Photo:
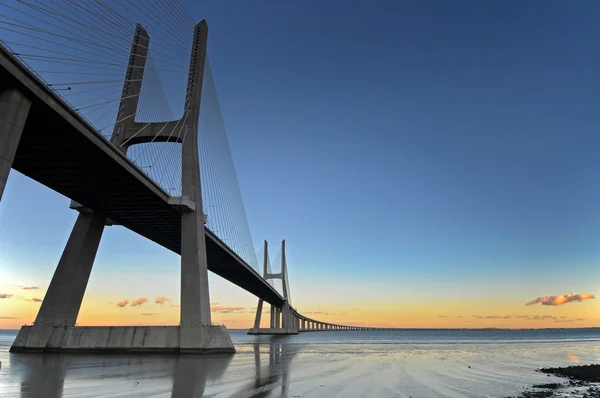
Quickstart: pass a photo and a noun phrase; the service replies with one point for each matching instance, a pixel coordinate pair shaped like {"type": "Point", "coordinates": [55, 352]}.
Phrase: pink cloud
{"type": "Point", "coordinates": [36, 300]}
{"type": "Point", "coordinates": [161, 300]}
{"type": "Point", "coordinates": [561, 299]}
{"type": "Point", "coordinates": [123, 303]}
{"type": "Point", "coordinates": [139, 302]}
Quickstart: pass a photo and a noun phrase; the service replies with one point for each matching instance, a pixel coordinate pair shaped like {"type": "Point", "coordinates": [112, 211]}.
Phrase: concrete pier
{"type": "Point", "coordinates": [158, 339]}
{"type": "Point", "coordinates": [283, 320]}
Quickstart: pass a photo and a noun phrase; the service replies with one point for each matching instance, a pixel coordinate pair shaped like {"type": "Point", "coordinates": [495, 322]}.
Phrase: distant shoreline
{"type": "Point", "coordinates": [423, 329]}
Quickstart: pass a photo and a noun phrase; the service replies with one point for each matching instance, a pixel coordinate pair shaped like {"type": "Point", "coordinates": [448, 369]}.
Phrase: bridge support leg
{"type": "Point", "coordinates": [14, 108]}
{"type": "Point", "coordinates": [277, 318]}
{"type": "Point", "coordinates": [62, 301]}
{"type": "Point", "coordinates": [258, 314]}
{"type": "Point", "coordinates": [272, 319]}
{"type": "Point", "coordinates": [196, 334]}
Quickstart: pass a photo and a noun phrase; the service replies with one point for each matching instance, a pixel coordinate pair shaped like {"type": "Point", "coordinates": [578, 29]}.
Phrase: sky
{"type": "Point", "coordinates": [430, 164]}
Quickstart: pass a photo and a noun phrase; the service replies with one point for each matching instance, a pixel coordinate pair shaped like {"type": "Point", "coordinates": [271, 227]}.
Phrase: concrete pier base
{"type": "Point", "coordinates": [120, 339]}
{"type": "Point", "coordinates": [279, 331]}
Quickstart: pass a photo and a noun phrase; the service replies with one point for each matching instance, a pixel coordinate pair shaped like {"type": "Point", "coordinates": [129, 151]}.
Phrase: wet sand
{"type": "Point", "coordinates": [289, 370]}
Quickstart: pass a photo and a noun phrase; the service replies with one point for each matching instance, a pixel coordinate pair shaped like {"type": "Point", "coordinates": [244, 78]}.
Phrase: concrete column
{"type": "Point", "coordinates": [272, 324]}
{"type": "Point", "coordinates": [132, 87]}
{"type": "Point", "coordinates": [286, 316]}
{"type": "Point", "coordinates": [277, 318]}
{"type": "Point", "coordinates": [195, 298]}
{"type": "Point", "coordinates": [14, 108]}
{"type": "Point", "coordinates": [63, 298]}
{"type": "Point", "coordinates": [303, 324]}
{"type": "Point", "coordinates": [259, 309]}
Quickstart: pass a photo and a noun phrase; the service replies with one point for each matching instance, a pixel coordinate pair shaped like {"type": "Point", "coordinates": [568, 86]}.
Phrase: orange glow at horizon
{"type": "Point", "coordinates": [102, 311]}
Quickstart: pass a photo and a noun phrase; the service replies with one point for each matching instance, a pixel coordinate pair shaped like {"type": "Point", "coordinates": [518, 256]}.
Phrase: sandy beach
{"type": "Point", "coordinates": [278, 367]}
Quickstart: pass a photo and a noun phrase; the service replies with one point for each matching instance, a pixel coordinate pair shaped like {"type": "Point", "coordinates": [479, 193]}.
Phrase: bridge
{"type": "Point", "coordinates": [170, 180]}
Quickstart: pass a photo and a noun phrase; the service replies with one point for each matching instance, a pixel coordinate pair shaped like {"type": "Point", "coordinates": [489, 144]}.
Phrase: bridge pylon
{"type": "Point", "coordinates": [283, 320]}
{"type": "Point", "coordinates": [54, 327]}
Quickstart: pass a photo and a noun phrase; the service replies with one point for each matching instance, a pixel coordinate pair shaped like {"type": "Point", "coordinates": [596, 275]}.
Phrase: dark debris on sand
{"type": "Point", "coordinates": [590, 373]}
{"type": "Point", "coordinates": [579, 376]}
{"type": "Point", "coordinates": [550, 386]}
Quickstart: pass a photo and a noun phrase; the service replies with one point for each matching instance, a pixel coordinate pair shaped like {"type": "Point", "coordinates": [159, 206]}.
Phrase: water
{"type": "Point", "coordinates": [431, 363]}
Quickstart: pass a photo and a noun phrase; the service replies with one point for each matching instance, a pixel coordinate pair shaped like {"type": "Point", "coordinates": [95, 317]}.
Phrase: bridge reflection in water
{"type": "Point", "coordinates": [260, 370]}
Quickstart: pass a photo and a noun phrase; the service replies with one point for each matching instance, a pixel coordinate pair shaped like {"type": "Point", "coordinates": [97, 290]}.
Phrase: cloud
{"type": "Point", "coordinates": [492, 317]}
{"type": "Point", "coordinates": [5, 296]}
{"type": "Point", "coordinates": [8, 317]}
{"type": "Point", "coordinates": [442, 316]}
{"type": "Point", "coordinates": [561, 299]}
{"type": "Point", "coordinates": [161, 300]}
{"type": "Point", "coordinates": [123, 303]}
{"type": "Point", "coordinates": [148, 313]}
{"type": "Point", "coordinates": [540, 317]}
{"type": "Point", "coordinates": [139, 302]}
{"type": "Point", "coordinates": [29, 287]}
{"type": "Point", "coordinates": [316, 312]}
{"type": "Point", "coordinates": [226, 310]}
{"type": "Point", "coordinates": [36, 300]}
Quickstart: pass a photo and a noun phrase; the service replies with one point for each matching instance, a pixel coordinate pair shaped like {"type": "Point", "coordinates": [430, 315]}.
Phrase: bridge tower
{"type": "Point", "coordinates": [283, 320]}
{"type": "Point", "coordinates": [54, 327]}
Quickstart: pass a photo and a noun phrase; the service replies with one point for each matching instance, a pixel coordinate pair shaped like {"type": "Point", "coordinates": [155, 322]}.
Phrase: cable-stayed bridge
{"type": "Point", "coordinates": [113, 105]}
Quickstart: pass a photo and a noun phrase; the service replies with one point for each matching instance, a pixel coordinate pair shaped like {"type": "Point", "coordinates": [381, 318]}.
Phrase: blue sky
{"type": "Point", "coordinates": [451, 145]}
{"type": "Point", "coordinates": [466, 130]}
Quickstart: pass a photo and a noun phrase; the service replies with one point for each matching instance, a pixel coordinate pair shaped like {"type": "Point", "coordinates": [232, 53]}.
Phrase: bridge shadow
{"type": "Point", "coordinates": [57, 375]}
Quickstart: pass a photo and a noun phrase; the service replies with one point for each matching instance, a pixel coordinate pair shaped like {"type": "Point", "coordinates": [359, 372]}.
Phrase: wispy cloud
{"type": "Point", "coordinates": [226, 310]}
{"type": "Point", "coordinates": [36, 300]}
{"type": "Point", "coordinates": [5, 296]}
{"type": "Point", "coordinates": [492, 316]}
{"type": "Point", "coordinates": [148, 313]}
{"type": "Point", "coordinates": [123, 303]}
{"type": "Point", "coordinates": [561, 299]}
{"type": "Point", "coordinates": [8, 317]}
{"type": "Point", "coordinates": [29, 287]}
{"type": "Point", "coordinates": [442, 316]}
{"type": "Point", "coordinates": [139, 302]}
{"type": "Point", "coordinates": [161, 300]}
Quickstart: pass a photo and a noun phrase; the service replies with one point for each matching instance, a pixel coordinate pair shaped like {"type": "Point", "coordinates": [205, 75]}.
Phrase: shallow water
{"type": "Point", "coordinates": [319, 364]}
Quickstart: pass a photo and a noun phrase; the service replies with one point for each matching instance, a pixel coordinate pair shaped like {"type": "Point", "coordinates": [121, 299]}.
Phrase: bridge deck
{"type": "Point", "coordinates": [60, 150]}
